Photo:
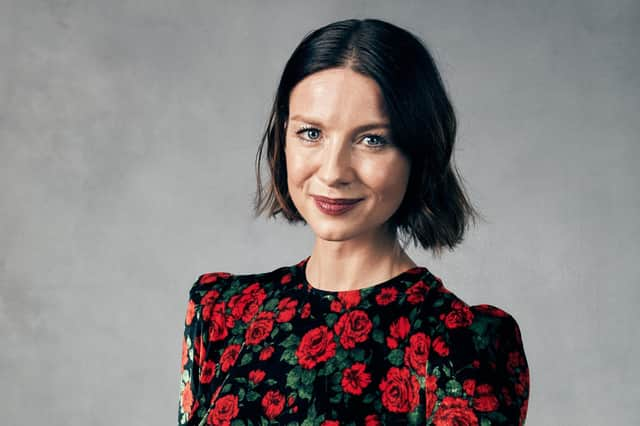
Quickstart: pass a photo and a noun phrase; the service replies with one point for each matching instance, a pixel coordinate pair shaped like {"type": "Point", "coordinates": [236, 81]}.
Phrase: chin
{"type": "Point", "coordinates": [332, 232]}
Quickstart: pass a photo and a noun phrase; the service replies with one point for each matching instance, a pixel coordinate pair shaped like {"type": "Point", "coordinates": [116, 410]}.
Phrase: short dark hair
{"type": "Point", "coordinates": [435, 211]}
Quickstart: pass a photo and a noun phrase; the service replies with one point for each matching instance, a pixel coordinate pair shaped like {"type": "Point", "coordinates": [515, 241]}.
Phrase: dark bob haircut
{"type": "Point", "coordinates": [435, 211]}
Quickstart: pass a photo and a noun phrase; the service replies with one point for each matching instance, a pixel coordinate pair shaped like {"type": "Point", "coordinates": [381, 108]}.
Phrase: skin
{"type": "Point", "coordinates": [338, 144]}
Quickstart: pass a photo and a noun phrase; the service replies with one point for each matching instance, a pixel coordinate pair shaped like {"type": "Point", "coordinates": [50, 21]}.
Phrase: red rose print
{"type": "Point", "coordinates": [291, 400]}
{"type": "Point", "coordinates": [330, 423]}
{"type": "Point", "coordinates": [514, 361]}
{"type": "Point", "coordinates": [355, 379]}
{"type": "Point", "coordinates": [335, 306]}
{"type": "Point", "coordinates": [460, 316]}
{"type": "Point", "coordinates": [523, 410]}
{"type": "Point", "coordinates": [316, 346]}
{"type": "Point", "coordinates": [391, 343]}
{"type": "Point", "coordinates": [353, 327]}
{"type": "Point", "coordinates": [469, 386]}
{"type": "Point", "coordinates": [416, 293]}
{"type": "Point", "coordinates": [400, 328]}
{"type": "Point", "coordinates": [485, 400]}
{"type": "Point", "coordinates": [400, 390]}
{"type": "Point", "coordinates": [229, 357]}
{"type": "Point", "coordinates": [440, 346]}
{"type": "Point", "coordinates": [259, 328]}
{"type": "Point", "coordinates": [431, 385]}
{"type": "Point", "coordinates": [256, 376]}
{"type": "Point", "coordinates": [386, 296]}
{"type": "Point", "coordinates": [224, 410]}
{"type": "Point", "coordinates": [506, 396]}
{"type": "Point", "coordinates": [273, 403]}
{"type": "Point", "coordinates": [306, 310]}
{"type": "Point", "coordinates": [218, 321]}
{"type": "Point", "coordinates": [198, 351]}
{"type": "Point", "coordinates": [286, 309]}
{"type": "Point", "coordinates": [209, 309]}
{"type": "Point", "coordinates": [207, 371]}
{"type": "Point", "coordinates": [454, 411]}
{"type": "Point", "coordinates": [286, 278]}
{"type": "Point", "coordinates": [523, 383]}
{"type": "Point", "coordinates": [349, 298]}
{"type": "Point", "coordinates": [185, 352]}
{"type": "Point", "coordinates": [266, 353]}
{"type": "Point", "coordinates": [244, 306]}
{"type": "Point", "coordinates": [372, 420]}
{"type": "Point", "coordinates": [210, 297]}
{"type": "Point", "coordinates": [417, 353]}
{"type": "Point", "coordinates": [191, 311]}
{"type": "Point", "coordinates": [186, 399]}
{"type": "Point", "coordinates": [491, 310]}
{"type": "Point", "coordinates": [212, 277]}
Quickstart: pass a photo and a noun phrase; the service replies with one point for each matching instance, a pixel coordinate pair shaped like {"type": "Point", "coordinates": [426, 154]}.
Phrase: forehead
{"type": "Point", "coordinates": [338, 96]}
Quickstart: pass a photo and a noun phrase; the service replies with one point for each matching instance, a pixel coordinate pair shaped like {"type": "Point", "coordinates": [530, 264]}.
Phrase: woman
{"type": "Point", "coordinates": [359, 145]}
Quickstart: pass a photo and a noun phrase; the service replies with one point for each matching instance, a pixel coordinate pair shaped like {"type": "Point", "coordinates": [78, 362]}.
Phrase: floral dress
{"type": "Point", "coordinates": [262, 349]}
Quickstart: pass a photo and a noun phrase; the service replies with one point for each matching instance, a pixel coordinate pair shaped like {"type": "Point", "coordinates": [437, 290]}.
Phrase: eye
{"type": "Point", "coordinates": [374, 141]}
{"type": "Point", "coordinates": [309, 133]}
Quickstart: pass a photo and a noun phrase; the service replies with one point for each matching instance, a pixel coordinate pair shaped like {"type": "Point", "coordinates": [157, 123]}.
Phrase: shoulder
{"type": "Point", "coordinates": [475, 331]}
{"type": "Point", "coordinates": [211, 286]}
{"type": "Point", "coordinates": [454, 313]}
{"type": "Point", "coordinates": [477, 361]}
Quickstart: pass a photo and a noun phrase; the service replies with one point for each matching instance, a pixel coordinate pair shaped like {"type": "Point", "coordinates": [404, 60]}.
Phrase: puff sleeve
{"type": "Point", "coordinates": [477, 373]}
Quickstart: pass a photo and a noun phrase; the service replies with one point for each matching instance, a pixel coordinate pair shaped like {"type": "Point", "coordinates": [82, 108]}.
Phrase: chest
{"type": "Point", "coordinates": [297, 360]}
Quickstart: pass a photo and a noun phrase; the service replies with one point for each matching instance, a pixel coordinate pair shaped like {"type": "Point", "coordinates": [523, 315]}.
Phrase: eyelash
{"type": "Point", "coordinates": [381, 138]}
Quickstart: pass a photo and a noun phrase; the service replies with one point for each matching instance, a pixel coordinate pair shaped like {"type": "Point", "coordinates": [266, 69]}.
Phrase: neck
{"type": "Point", "coordinates": [355, 264]}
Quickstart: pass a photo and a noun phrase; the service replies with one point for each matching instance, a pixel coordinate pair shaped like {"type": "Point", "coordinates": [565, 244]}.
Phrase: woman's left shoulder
{"type": "Point", "coordinates": [481, 319]}
{"type": "Point", "coordinates": [478, 361]}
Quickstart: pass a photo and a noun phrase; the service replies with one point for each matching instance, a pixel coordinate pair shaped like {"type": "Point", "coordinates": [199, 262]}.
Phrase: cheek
{"type": "Point", "coordinates": [295, 165]}
{"type": "Point", "coordinates": [389, 179]}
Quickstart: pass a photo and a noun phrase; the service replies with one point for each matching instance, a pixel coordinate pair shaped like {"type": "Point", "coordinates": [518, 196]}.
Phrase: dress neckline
{"type": "Point", "coordinates": [412, 275]}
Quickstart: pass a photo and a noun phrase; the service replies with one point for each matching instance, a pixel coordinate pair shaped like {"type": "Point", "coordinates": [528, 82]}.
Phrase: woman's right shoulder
{"type": "Point", "coordinates": [209, 286]}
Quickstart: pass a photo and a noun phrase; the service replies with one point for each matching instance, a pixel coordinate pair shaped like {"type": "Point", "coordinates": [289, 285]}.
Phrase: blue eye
{"type": "Point", "coordinates": [309, 133]}
{"type": "Point", "coordinates": [374, 141]}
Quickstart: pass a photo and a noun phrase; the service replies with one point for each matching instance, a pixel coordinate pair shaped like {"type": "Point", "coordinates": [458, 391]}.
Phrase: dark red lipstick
{"type": "Point", "coordinates": [335, 206]}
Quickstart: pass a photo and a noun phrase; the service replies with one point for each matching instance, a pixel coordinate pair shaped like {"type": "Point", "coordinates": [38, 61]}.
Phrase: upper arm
{"type": "Point", "coordinates": [195, 341]}
{"type": "Point", "coordinates": [484, 377]}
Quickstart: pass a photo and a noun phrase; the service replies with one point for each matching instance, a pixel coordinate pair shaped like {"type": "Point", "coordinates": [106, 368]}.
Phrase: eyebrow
{"type": "Point", "coordinates": [361, 128]}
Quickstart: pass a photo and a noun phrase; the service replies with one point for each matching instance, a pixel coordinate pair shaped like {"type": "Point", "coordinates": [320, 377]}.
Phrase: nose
{"type": "Point", "coordinates": [336, 169]}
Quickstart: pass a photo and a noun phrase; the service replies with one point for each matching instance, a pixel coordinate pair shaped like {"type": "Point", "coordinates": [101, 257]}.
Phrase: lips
{"type": "Point", "coordinates": [336, 206]}
{"type": "Point", "coordinates": [337, 201]}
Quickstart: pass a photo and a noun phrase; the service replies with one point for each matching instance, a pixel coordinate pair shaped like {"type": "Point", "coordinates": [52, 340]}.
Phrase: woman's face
{"type": "Point", "coordinates": [338, 145]}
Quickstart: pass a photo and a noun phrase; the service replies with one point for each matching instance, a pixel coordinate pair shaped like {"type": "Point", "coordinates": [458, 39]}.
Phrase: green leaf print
{"type": "Point", "coordinates": [330, 319]}
{"type": "Point", "coordinates": [396, 357]}
{"type": "Point", "coordinates": [305, 392]}
{"type": "Point", "coordinates": [289, 356]}
{"type": "Point", "coordinates": [241, 394]}
{"type": "Point", "coordinates": [357, 354]}
{"type": "Point", "coordinates": [271, 304]}
{"type": "Point", "coordinates": [454, 388]}
{"type": "Point", "coordinates": [378, 335]}
{"type": "Point", "coordinates": [246, 359]}
{"type": "Point", "coordinates": [308, 376]}
{"type": "Point", "coordinates": [290, 341]}
{"type": "Point", "coordinates": [293, 377]}
{"type": "Point", "coordinates": [252, 396]}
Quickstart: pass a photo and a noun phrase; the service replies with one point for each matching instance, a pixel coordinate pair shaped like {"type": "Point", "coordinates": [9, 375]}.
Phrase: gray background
{"type": "Point", "coordinates": [127, 137]}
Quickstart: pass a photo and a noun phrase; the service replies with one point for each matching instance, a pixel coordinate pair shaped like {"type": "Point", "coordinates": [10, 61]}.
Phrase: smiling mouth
{"type": "Point", "coordinates": [336, 206]}
{"type": "Point", "coordinates": [336, 201]}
